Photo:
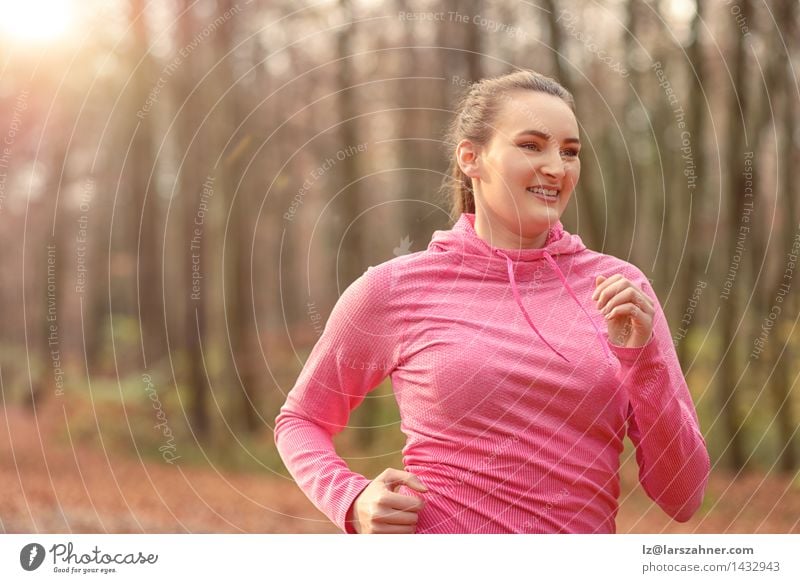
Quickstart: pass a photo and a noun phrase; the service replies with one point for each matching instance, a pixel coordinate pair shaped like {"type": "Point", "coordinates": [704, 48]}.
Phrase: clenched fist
{"type": "Point", "coordinates": [628, 310]}
{"type": "Point", "coordinates": [379, 509]}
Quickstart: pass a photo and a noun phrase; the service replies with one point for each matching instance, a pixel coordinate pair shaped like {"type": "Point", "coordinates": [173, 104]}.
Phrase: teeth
{"type": "Point", "coordinates": [543, 191]}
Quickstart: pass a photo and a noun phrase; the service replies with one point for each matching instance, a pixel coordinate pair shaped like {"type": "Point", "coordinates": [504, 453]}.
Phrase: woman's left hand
{"type": "Point", "coordinates": [628, 310]}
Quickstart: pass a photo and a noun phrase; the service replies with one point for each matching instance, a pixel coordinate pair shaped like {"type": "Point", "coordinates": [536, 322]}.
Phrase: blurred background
{"type": "Point", "coordinates": [187, 186]}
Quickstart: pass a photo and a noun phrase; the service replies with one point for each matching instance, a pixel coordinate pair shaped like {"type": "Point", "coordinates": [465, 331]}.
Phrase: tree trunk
{"type": "Point", "coordinates": [195, 240]}
{"type": "Point", "coordinates": [556, 45]}
{"type": "Point", "coordinates": [780, 387]}
{"type": "Point", "coordinates": [349, 227]}
{"type": "Point", "coordinates": [695, 191]}
{"type": "Point", "coordinates": [238, 228]}
{"type": "Point", "coordinates": [145, 232]}
{"type": "Point", "coordinates": [729, 399]}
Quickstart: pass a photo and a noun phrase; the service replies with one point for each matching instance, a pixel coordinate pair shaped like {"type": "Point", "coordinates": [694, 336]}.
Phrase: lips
{"type": "Point", "coordinates": [549, 194]}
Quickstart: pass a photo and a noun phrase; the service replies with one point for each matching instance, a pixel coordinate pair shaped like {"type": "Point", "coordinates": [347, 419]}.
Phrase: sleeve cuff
{"type": "Point", "coordinates": [346, 525]}
{"type": "Point", "coordinates": [640, 354]}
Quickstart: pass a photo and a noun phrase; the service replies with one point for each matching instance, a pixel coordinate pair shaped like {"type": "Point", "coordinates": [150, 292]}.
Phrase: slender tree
{"type": "Point", "coordinates": [782, 350]}
{"type": "Point", "coordinates": [195, 241]}
{"type": "Point", "coordinates": [694, 192]}
{"type": "Point", "coordinates": [730, 369]}
{"type": "Point", "coordinates": [145, 234]}
{"type": "Point", "coordinates": [239, 227]}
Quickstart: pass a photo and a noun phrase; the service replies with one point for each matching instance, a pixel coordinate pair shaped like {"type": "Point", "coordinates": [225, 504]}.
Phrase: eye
{"type": "Point", "coordinates": [531, 146]}
{"type": "Point", "coordinates": [570, 153]}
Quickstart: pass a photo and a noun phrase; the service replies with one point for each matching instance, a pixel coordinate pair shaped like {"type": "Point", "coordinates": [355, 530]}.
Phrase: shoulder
{"type": "Point", "coordinates": [406, 273]}
{"type": "Point", "coordinates": [378, 287]}
{"type": "Point", "coordinates": [383, 276]}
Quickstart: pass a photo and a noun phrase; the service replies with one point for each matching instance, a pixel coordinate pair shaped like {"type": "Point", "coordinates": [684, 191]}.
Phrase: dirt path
{"type": "Point", "coordinates": [49, 486]}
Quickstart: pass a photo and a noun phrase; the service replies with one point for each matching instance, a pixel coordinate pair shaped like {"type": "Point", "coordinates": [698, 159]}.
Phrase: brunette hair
{"type": "Point", "coordinates": [475, 116]}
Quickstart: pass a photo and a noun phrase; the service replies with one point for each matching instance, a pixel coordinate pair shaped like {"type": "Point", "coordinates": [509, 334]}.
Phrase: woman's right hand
{"type": "Point", "coordinates": [379, 509]}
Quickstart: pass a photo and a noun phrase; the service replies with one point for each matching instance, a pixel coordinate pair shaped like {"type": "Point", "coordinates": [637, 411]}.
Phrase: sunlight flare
{"type": "Point", "coordinates": [35, 21]}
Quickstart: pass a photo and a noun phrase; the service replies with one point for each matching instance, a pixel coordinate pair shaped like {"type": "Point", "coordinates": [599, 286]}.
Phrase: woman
{"type": "Point", "coordinates": [519, 358]}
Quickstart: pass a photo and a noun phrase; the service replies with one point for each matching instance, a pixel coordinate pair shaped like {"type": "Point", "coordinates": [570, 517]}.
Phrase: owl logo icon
{"type": "Point", "coordinates": [31, 556]}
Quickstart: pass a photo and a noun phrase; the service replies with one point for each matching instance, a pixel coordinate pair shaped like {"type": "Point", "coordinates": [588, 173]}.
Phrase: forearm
{"type": "Point", "coordinates": [307, 451]}
{"type": "Point", "coordinates": [663, 425]}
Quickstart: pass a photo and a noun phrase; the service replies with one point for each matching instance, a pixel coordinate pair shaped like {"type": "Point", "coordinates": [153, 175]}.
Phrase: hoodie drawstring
{"type": "Point", "coordinates": [554, 266]}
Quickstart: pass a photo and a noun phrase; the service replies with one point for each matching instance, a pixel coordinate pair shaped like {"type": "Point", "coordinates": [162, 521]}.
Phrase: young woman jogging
{"type": "Point", "coordinates": [519, 358]}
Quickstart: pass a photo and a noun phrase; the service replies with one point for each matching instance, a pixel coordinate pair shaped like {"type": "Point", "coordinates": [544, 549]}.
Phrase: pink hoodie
{"type": "Point", "coordinates": [513, 401]}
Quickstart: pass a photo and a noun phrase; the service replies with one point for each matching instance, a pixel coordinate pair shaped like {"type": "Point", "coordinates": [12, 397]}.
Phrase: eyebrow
{"type": "Point", "coordinates": [548, 137]}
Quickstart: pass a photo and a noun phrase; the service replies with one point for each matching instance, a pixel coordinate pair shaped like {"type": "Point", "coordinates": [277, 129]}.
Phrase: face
{"type": "Point", "coordinates": [532, 154]}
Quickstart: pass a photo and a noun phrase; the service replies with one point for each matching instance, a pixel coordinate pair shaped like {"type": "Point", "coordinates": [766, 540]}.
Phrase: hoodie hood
{"type": "Point", "coordinates": [514, 264]}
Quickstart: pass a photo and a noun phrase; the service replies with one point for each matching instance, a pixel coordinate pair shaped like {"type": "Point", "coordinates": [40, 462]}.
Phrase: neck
{"type": "Point", "coordinates": [498, 236]}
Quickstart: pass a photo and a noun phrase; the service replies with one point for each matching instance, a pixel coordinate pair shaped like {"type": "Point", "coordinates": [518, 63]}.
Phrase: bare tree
{"type": "Point", "coordinates": [349, 205]}
{"type": "Point", "coordinates": [557, 45]}
{"type": "Point", "coordinates": [729, 378]}
{"type": "Point", "coordinates": [195, 240]}
{"type": "Point", "coordinates": [144, 227]}
{"type": "Point", "coordinates": [694, 210]}
{"type": "Point", "coordinates": [239, 300]}
{"type": "Point", "coordinates": [782, 352]}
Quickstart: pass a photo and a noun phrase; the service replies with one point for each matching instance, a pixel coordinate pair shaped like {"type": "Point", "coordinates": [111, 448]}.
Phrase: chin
{"type": "Point", "coordinates": [532, 226]}
{"type": "Point", "coordinates": [543, 214]}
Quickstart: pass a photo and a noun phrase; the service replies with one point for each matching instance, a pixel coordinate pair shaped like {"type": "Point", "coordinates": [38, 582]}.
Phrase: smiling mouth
{"type": "Point", "coordinates": [548, 194]}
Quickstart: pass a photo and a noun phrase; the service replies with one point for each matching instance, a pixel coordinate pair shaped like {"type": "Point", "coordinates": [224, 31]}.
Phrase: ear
{"type": "Point", "coordinates": [468, 156]}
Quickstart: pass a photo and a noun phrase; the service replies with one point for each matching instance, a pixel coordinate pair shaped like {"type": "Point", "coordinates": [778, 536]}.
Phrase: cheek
{"type": "Point", "coordinates": [521, 170]}
{"type": "Point", "coordinates": [575, 171]}
{"type": "Point", "coordinates": [510, 160]}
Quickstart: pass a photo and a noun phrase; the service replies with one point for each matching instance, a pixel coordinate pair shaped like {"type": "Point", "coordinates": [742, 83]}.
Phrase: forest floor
{"type": "Point", "coordinates": [53, 486]}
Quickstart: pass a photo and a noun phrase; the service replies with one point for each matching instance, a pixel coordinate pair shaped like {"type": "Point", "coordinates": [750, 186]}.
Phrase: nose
{"type": "Point", "coordinates": [553, 166]}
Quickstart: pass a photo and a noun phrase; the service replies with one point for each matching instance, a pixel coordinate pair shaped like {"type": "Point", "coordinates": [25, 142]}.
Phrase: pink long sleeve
{"type": "Point", "coordinates": [357, 350]}
{"type": "Point", "coordinates": [662, 422]}
{"type": "Point", "coordinates": [512, 402]}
